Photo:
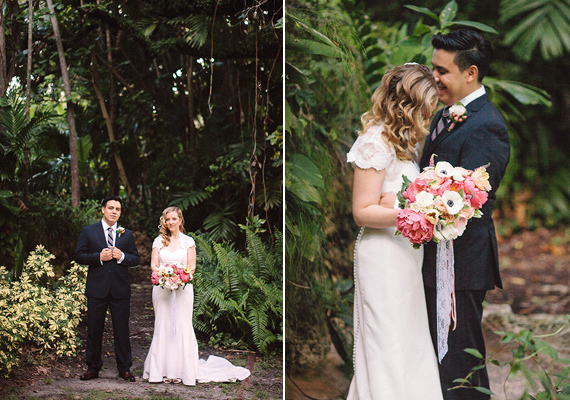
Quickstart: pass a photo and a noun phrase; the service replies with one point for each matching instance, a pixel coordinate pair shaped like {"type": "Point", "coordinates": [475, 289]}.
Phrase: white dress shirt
{"type": "Point", "coordinates": [114, 235]}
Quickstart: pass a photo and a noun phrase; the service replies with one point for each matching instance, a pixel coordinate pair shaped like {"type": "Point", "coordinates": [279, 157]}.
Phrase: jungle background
{"type": "Point", "coordinates": [337, 52]}
{"type": "Point", "coordinates": [163, 103]}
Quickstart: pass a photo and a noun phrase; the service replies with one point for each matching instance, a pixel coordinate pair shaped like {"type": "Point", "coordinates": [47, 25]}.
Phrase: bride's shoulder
{"type": "Point", "coordinates": [187, 241]}
{"type": "Point", "coordinates": [157, 242]}
{"type": "Point", "coordinates": [371, 150]}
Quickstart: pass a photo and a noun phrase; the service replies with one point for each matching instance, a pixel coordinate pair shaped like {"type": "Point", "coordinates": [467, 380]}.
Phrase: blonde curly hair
{"type": "Point", "coordinates": [163, 230]}
{"type": "Point", "coordinates": [403, 102]}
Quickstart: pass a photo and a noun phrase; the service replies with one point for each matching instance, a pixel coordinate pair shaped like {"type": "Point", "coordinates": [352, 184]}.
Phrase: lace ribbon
{"type": "Point", "coordinates": [173, 313]}
{"type": "Point", "coordinates": [445, 285]}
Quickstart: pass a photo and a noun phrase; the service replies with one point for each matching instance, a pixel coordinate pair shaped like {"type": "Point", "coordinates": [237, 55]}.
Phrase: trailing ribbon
{"type": "Point", "coordinates": [445, 301]}
{"type": "Point", "coordinates": [173, 313]}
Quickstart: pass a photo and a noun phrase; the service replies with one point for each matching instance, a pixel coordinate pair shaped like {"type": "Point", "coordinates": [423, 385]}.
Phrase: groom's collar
{"type": "Point", "coordinates": [107, 226]}
{"type": "Point", "coordinates": [473, 96]}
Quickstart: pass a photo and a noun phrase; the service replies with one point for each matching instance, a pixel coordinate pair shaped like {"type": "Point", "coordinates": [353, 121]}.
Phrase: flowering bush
{"type": "Point", "coordinates": [171, 276]}
{"type": "Point", "coordinates": [438, 204]}
{"type": "Point", "coordinates": [40, 311]}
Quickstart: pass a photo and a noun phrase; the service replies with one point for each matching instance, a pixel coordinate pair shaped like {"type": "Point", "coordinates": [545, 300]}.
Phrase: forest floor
{"type": "Point", "coordinates": [535, 269]}
{"type": "Point", "coordinates": [58, 379]}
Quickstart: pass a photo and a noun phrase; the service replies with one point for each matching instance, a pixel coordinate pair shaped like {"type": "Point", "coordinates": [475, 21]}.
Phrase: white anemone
{"type": "Point", "coordinates": [453, 202]}
{"type": "Point", "coordinates": [443, 168]}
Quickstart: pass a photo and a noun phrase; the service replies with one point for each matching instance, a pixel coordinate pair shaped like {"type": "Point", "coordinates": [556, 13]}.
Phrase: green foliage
{"type": "Point", "coordinates": [552, 39]}
{"type": "Point", "coordinates": [528, 355]}
{"type": "Point", "coordinates": [28, 317]}
{"type": "Point", "coordinates": [239, 297]}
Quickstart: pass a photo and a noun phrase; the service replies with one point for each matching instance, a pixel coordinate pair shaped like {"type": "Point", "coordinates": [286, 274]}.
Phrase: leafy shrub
{"type": "Point", "coordinates": [239, 296]}
{"type": "Point", "coordinates": [36, 310]}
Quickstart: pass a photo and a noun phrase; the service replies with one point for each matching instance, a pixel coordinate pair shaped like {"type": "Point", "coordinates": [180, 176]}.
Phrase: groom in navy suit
{"type": "Point", "coordinates": [461, 59]}
{"type": "Point", "coordinates": [108, 250]}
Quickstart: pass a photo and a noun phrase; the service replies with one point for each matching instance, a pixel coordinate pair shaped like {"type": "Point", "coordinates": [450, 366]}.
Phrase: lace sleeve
{"type": "Point", "coordinates": [370, 151]}
{"type": "Point", "coordinates": [157, 243]}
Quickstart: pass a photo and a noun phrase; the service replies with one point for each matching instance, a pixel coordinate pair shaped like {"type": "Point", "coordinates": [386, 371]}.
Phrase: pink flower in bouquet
{"type": "Point", "coordinates": [444, 186]}
{"type": "Point", "coordinates": [475, 196]}
{"type": "Point", "coordinates": [429, 175]}
{"type": "Point", "coordinates": [479, 198]}
{"type": "Point", "coordinates": [414, 226]}
{"type": "Point", "coordinates": [439, 204]}
{"type": "Point", "coordinates": [417, 186]}
{"type": "Point", "coordinates": [481, 178]}
{"type": "Point", "coordinates": [154, 278]}
{"type": "Point", "coordinates": [184, 276]}
{"type": "Point", "coordinates": [467, 212]}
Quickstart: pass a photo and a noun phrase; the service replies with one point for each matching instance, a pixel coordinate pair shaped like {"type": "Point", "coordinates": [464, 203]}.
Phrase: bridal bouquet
{"type": "Point", "coordinates": [438, 204]}
{"type": "Point", "coordinates": [171, 276]}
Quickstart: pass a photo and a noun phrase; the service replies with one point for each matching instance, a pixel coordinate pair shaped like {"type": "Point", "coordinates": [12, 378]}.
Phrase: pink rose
{"type": "Point", "coordinates": [154, 278]}
{"type": "Point", "coordinates": [184, 276]}
{"type": "Point", "coordinates": [414, 226]}
{"type": "Point", "coordinates": [479, 198]}
{"type": "Point", "coordinates": [444, 186]}
{"type": "Point", "coordinates": [418, 185]}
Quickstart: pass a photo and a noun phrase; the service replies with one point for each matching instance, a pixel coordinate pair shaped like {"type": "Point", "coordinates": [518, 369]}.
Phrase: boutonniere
{"type": "Point", "coordinates": [457, 114]}
{"type": "Point", "coordinates": [120, 231]}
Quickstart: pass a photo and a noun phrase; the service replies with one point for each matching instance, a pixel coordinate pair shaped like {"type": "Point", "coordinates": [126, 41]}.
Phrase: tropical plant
{"type": "Point", "coordinates": [240, 295]}
{"type": "Point", "coordinates": [529, 354]}
{"type": "Point", "coordinates": [542, 25]}
{"type": "Point", "coordinates": [21, 140]}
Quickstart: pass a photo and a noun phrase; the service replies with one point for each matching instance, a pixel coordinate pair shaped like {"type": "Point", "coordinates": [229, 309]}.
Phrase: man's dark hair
{"type": "Point", "coordinates": [109, 198]}
{"type": "Point", "coordinates": [471, 48]}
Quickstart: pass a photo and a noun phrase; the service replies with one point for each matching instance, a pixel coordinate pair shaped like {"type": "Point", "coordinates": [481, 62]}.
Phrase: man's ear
{"type": "Point", "coordinates": [472, 73]}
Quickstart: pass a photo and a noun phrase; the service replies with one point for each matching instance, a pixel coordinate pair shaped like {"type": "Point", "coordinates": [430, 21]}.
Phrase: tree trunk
{"type": "Point", "coordinates": [28, 94]}
{"type": "Point", "coordinates": [3, 53]}
{"type": "Point", "coordinates": [29, 66]}
{"type": "Point", "coordinates": [110, 130]}
{"type": "Point", "coordinates": [75, 194]}
{"type": "Point", "coordinates": [191, 127]}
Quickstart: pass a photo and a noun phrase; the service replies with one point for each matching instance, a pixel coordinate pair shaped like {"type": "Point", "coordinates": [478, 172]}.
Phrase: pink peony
{"type": "Point", "coordinates": [154, 278]}
{"type": "Point", "coordinates": [444, 186]}
{"type": "Point", "coordinates": [184, 277]}
{"type": "Point", "coordinates": [418, 185]}
{"type": "Point", "coordinates": [414, 226]}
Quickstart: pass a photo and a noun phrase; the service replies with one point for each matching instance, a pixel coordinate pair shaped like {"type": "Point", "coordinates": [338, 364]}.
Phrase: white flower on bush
{"type": "Point", "coordinates": [443, 168]}
{"type": "Point", "coordinates": [453, 202]}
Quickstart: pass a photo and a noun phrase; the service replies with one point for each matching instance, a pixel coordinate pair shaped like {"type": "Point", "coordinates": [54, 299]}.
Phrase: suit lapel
{"type": "Point", "coordinates": [100, 233]}
{"type": "Point", "coordinates": [430, 145]}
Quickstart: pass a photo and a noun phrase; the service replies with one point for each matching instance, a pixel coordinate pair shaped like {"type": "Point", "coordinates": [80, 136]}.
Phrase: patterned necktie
{"type": "Point", "coordinates": [110, 237]}
{"type": "Point", "coordinates": [441, 125]}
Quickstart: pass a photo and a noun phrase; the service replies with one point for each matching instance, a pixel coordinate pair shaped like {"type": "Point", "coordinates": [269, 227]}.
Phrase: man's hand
{"type": "Point", "coordinates": [117, 253]}
{"type": "Point", "coordinates": [106, 254]}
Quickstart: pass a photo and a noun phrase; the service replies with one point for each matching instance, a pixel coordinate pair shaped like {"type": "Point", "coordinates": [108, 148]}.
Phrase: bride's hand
{"type": "Point", "coordinates": [387, 200]}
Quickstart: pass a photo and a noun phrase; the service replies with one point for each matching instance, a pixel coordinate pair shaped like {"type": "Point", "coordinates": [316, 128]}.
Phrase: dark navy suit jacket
{"type": "Point", "coordinates": [481, 139]}
{"type": "Point", "coordinates": [110, 277]}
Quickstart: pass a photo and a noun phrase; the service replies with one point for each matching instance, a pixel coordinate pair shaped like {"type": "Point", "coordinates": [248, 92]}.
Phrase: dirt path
{"type": "Point", "coordinates": [49, 378]}
{"type": "Point", "coordinates": [536, 295]}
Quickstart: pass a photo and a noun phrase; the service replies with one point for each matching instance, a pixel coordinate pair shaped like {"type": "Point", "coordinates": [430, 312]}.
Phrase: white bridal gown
{"type": "Point", "coordinates": [394, 358]}
{"type": "Point", "coordinates": [173, 352]}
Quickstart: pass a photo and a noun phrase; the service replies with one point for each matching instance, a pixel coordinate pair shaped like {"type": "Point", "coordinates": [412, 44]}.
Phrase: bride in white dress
{"type": "Point", "coordinates": [173, 353]}
{"type": "Point", "coordinates": [393, 353]}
